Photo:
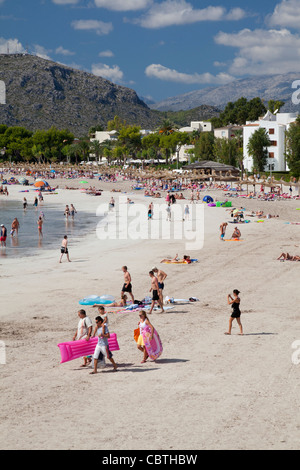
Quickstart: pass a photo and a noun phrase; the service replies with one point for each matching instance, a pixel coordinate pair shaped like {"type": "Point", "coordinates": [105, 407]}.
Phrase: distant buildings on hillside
{"type": "Point", "coordinates": [276, 126]}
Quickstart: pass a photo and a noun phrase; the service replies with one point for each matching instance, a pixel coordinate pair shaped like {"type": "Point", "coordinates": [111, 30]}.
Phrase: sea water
{"type": "Point", "coordinates": [55, 227]}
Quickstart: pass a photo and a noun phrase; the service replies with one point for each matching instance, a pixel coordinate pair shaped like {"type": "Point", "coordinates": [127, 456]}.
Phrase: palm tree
{"type": "Point", "coordinates": [166, 128]}
{"type": "Point", "coordinates": [96, 149]}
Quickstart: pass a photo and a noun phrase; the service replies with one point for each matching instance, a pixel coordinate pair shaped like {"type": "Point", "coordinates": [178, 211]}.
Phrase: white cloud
{"type": "Point", "coordinates": [263, 51]}
{"type": "Point", "coordinates": [107, 53]}
{"type": "Point", "coordinates": [163, 73]}
{"type": "Point", "coordinates": [13, 46]}
{"type": "Point", "coordinates": [180, 12]}
{"type": "Point", "coordinates": [61, 51]}
{"type": "Point", "coordinates": [113, 73]}
{"type": "Point", "coordinates": [123, 5]}
{"type": "Point", "coordinates": [41, 51]}
{"type": "Point", "coordinates": [98, 27]}
{"type": "Point", "coordinates": [286, 14]}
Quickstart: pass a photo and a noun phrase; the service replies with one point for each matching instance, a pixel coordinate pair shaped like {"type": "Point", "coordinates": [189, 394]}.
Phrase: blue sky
{"type": "Point", "coordinates": [160, 48]}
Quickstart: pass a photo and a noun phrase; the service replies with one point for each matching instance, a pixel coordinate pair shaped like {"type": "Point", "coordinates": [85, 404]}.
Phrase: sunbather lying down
{"type": "Point", "coordinates": [288, 257]}
{"type": "Point", "coordinates": [186, 259]}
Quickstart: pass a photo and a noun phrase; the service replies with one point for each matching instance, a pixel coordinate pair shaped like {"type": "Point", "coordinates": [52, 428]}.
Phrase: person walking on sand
{"type": "Point", "coordinates": [144, 321]}
{"type": "Point", "coordinates": [127, 286]}
{"type": "Point", "coordinates": [161, 277]}
{"type": "Point", "coordinates": [155, 293]}
{"type": "Point", "coordinates": [102, 348]}
{"type": "Point", "coordinates": [84, 331]}
{"type": "Point", "coordinates": [223, 228]}
{"type": "Point", "coordinates": [64, 249]}
{"type": "Point", "coordinates": [236, 313]}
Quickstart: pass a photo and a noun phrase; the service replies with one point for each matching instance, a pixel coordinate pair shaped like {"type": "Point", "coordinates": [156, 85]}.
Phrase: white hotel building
{"type": "Point", "coordinates": [276, 126]}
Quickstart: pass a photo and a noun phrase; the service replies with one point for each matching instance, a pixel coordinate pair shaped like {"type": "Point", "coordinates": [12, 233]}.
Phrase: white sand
{"type": "Point", "coordinates": [207, 391]}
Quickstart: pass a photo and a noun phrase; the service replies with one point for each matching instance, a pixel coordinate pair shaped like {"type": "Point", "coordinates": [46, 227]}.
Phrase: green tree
{"type": "Point", "coordinates": [226, 151]}
{"type": "Point", "coordinates": [18, 143]}
{"type": "Point", "coordinates": [50, 143]}
{"type": "Point", "coordinates": [204, 147]}
{"type": "Point", "coordinates": [116, 124]}
{"type": "Point", "coordinates": [293, 148]}
{"type": "Point", "coordinates": [129, 138]}
{"type": "Point", "coordinates": [239, 112]}
{"type": "Point", "coordinates": [274, 105]}
{"type": "Point", "coordinates": [258, 148]}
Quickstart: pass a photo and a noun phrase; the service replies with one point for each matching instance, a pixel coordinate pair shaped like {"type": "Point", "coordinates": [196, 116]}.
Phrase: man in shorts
{"type": "Point", "coordinates": [155, 292]}
{"type": "Point", "coordinates": [161, 277]}
{"type": "Point", "coordinates": [84, 331]}
{"type": "Point", "coordinates": [127, 287]}
{"type": "Point", "coordinates": [64, 249]}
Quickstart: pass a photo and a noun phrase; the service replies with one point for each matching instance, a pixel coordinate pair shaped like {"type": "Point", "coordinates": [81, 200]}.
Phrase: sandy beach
{"type": "Point", "coordinates": [207, 390]}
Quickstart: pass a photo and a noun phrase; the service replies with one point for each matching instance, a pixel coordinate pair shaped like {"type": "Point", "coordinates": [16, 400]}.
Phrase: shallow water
{"type": "Point", "coordinates": [55, 226]}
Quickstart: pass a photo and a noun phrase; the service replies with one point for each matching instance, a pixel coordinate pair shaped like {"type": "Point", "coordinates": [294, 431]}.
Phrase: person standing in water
{"type": "Point", "coordinates": [15, 227]}
{"type": "Point", "coordinates": [235, 302]}
{"type": "Point", "coordinates": [73, 211]}
{"type": "Point", "coordinates": [3, 236]}
{"type": "Point", "coordinates": [40, 226]}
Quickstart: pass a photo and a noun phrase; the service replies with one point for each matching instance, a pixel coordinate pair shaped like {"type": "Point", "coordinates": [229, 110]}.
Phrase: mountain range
{"type": "Point", "coordinates": [266, 87]}
{"type": "Point", "coordinates": [41, 93]}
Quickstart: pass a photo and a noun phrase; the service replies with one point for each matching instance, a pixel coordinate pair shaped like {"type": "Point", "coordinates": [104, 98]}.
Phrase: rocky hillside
{"type": "Point", "coordinates": [41, 93]}
{"type": "Point", "coordinates": [267, 87]}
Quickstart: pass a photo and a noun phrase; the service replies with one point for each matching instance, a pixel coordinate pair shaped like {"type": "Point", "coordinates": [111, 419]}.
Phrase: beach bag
{"type": "Point", "coordinates": [136, 334]}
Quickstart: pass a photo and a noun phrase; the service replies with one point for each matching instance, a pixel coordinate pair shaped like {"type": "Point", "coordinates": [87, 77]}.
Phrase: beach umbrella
{"type": "Point", "coordinates": [22, 180]}
{"type": "Point", "coordinates": [208, 199]}
{"type": "Point", "coordinates": [39, 184]}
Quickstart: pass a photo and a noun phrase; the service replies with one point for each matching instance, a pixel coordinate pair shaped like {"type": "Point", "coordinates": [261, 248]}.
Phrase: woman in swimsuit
{"type": "Point", "coordinates": [40, 226]}
{"type": "Point", "coordinates": [236, 313]}
{"type": "Point", "coordinates": [122, 303]}
{"type": "Point", "coordinates": [140, 342]}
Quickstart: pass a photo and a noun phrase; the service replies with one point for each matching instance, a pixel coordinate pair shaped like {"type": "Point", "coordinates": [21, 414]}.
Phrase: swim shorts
{"type": "Point", "coordinates": [155, 295]}
{"type": "Point", "coordinates": [127, 288]}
